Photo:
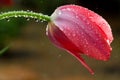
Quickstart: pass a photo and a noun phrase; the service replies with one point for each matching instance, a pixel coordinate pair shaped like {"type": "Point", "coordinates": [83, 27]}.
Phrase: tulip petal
{"type": "Point", "coordinates": [94, 18]}
{"type": "Point", "coordinates": [86, 35]}
{"type": "Point", "coordinates": [61, 41]}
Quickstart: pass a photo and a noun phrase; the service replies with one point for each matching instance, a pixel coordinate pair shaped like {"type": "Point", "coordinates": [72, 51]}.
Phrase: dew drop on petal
{"type": "Point", "coordinates": [74, 35]}
{"type": "Point", "coordinates": [59, 13]}
{"type": "Point", "coordinates": [76, 16]}
{"type": "Point", "coordinates": [68, 9]}
{"type": "Point", "coordinates": [90, 17]}
{"type": "Point", "coordinates": [108, 41]}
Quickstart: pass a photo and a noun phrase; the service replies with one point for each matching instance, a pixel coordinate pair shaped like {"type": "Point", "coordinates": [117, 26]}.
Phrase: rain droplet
{"type": "Point", "coordinates": [8, 20]}
{"type": "Point", "coordinates": [41, 21]}
{"type": "Point", "coordinates": [108, 41]}
{"type": "Point", "coordinates": [28, 10]}
{"type": "Point", "coordinates": [44, 20]}
{"type": "Point", "coordinates": [84, 19]}
{"type": "Point", "coordinates": [15, 16]}
{"type": "Point", "coordinates": [88, 13]}
{"type": "Point", "coordinates": [85, 46]}
{"type": "Point", "coordinates": [68, 9]}
{"type": "Point", "coordinates": [90, 17]}
{"type": "Point", "coordinates": [76, 16]}
{"type": "Point", "coordinates": [103, 24]}
{"type": "Point", "coordinates": [28, 19]}
{"type": "Point", "coordinates": [68, 34]}
{"type": "Point", "coordinates": [59, 12]}
{"type": "Point", "coordinates": [31, 17]}
{"type": "Point", "coordinates": [74, 35]}
{"type": "Point", "coordinates": [87, 22]}
{"type": "Point", "coordinates": [31, 11]}
{"type": "Point", "coordinates": [19, 15]}
{"type": "Point", "coordinates": [36, 20]}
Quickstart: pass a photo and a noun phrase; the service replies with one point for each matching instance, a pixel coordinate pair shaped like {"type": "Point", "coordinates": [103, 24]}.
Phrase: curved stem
{"type": "Point", "coordinates": [26, 14]}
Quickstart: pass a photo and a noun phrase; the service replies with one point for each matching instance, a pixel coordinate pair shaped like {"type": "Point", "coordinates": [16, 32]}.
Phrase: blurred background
{"type": "Point", "coordinates": [33, 57]}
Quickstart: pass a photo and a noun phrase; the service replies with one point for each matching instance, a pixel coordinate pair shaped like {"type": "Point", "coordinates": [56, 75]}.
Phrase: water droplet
{"type": "Point", "coordinates": [31, 17]}
{"type": "Point", "coordinates": [41, 21]}
{"type": "Point", "coordinates": [108, 41]}
{"type": "Point", "coordinates": [68, 9]}
{"type": "Point", "coordinates": [87, 22]}
{"type": "Point", "coordinates": [88, 13]}
{"type": "Point", "coordinates": [31, 11]}
{"type": "Point", "coordinates": [84, 19]}
{"type": "Point", "coordinates": [44, 20]}
{"type": "Point", "coordinates": [59, 12]}
{"type": "Point", "coordinates": [8, 20]}
{"type": "Point", "coordinates": [68, 34]}
{"type": "Point", "coordinates": [15, 16]}
{"type": "Point", "coordinates": [74, 35]}
{"type": "Point", "coordinates": [90, 17]}
{"type": "Point", "coordinates": [25, 16]}
{"type": "Point", "coordinates": [28, 19]}
{"type": "Point", "coordinates": [19, 15]}
{"type": "Point", "coordinates": [85, 46]}
{"type": "Point", "coordinates": [76, 16]}
{"type": "Point", "coordinates": [28, 10]}
{"type": "Point", "coordinates": [36, 20]}
{"type": "Point", "coordinates": [103, 24]}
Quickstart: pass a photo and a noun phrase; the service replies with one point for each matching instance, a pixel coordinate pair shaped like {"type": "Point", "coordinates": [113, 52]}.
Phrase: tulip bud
{"type": "Point", "coordinates": [80, 31]}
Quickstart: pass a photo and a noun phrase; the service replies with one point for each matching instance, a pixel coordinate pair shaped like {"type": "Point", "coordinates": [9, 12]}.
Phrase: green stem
{"type": "Point", "coordinates": [26, 14]}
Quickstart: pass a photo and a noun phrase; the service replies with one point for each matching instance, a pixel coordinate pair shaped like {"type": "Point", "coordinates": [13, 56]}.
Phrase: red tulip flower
{"type": "Point", "coordinates": [80, 31]}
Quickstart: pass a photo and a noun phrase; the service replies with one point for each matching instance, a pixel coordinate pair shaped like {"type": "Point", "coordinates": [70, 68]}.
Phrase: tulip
{"type": "Point", "coordinates": [79, 31]}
